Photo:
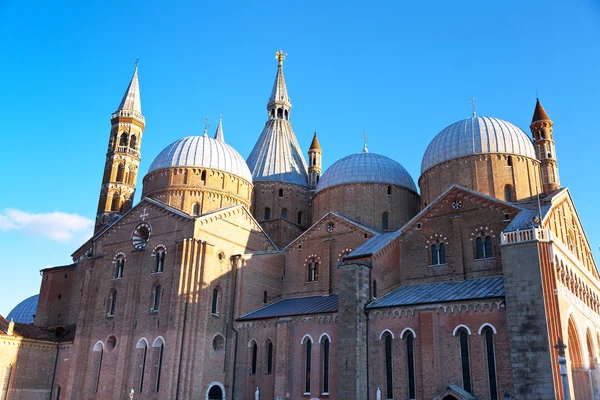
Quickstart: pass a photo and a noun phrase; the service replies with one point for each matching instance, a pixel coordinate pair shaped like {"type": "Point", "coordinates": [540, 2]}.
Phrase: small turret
{"type": "Point", "coordinates": [314, 159]}
{"type": "Point", "coordinates": [541, 129]}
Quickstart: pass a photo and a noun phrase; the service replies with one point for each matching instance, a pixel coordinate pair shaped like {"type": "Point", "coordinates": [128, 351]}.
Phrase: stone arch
{"type": "Point", "coordinates": [305, 337]}
{"type": "Point", "coordinates": [407, 330]}
{"type": "Point", "coordinates": [492, 327]}
{"type": "Point", "coordinates": [324, 335]}
{"type": "Point", "coordinates": [458, 327]}
{"type": "Point", "coordinates": [214, 390]}
{"type": "Point", "coordinates": [159, 341]}
{"type": "Point", "coordinates": [579, 375]}
{"type": "Point", "coordinates": [99, 346]}
{"type": "Point", "coordinates": [384, 332]}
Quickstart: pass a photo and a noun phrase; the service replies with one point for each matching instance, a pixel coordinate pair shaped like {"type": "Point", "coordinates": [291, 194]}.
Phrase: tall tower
{"type": "Point", "coordinates": [314, 160]}
{"type": "Point", "coordinates": [279, 174]}
{"type": "Point", "coordinates": [122, 157]}
{"type": "Point", "coordinates": [541, 128]}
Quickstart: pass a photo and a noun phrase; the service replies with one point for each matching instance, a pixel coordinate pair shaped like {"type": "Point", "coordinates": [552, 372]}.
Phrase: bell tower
{"type": "Point", "coordinates": [122, 157]}
{"type": "Point", "coordinates": [314, 160]}
{"type": "Point", "coordinates": [541, 129]}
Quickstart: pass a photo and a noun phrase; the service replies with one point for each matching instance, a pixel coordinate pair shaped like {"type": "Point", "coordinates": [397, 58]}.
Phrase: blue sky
{"type": "Point", "coordinates": [402, 71]}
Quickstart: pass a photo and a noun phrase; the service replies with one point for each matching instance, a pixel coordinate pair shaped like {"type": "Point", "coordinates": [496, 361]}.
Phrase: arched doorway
{"type": "Point", "coordinates": [579, 374]}
{"type": "Point", "coordinates": [215, 392]}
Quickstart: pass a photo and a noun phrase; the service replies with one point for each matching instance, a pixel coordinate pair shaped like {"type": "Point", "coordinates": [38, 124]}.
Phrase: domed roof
{"type": "Point", "coordinates": [366, 168]}
{"type": "Point", "coordinates": [204, 152]}
{"type": "Point", "coordinates": [24, 311]}
{"type": "Point", "coordinates": [479, 135]}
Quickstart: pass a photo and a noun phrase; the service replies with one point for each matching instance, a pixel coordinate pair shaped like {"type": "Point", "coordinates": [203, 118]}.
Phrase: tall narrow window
{"type": "Point", "coordinates": [509, 161]}
{"type": "Point", "coordinates": [442, 252]}
{"type": "Point", "coordinates": [389, 190]}
{"type": "Point", "coordinates": [374, 288]}
{"type": "Point", "coordinates": [159, 369]}
{"type": "Point", "coordinates": [438, 253]}
{"type": "Point", "coordinates": [112, 304]}
{"type": "Point", "coordinates": [385, 220]}
{"type": "Point", "coordinates": [488, 247]}
{"type": "Point", "coordinates": [5, 382]}
{"type": "Point", "coordinates": [280, 193]}
{"type": "Point", "coordinates": [119, 266]}
{"type": "Point", "coordinates": [325, 348]}
{"type": "Point", "coordinates": [114, 205]}
{"type": "Point", "coordinates": [144, 351]}
{"type": "Point", "coordinates": [435, 260]}
{"type": "Point", "coordinates": [313, 270]}
{"type": "Point", "coordinates": [254, 359]}
{"type": "Point", "coordinates": [307, 362]}
{"type": "Point", "coordinates": [57, 397]}
{"type": "Point", "coordinates": [464, 360]}
{"type": "Point", "coordinates": [508, 193]}
{"type": "Point", "coordinates": [284, 213]}
{"type": "Point", "coordinates": [299, 220]}
{"type": "Point", "coordinates": [133, 143]}
{"type": "Point", "coordinates": [265, 297]}
{"type": "Point", "coordinates": [215, 301]}
{"type": "Point", "coordinates": [156, 299]}
{"type": "Point", "coordinates": [120, 173]}
{"type": "Point", "coordinates": [269, 358]}
{"type": "Point", "coordinates": [483, 247]}
{"type": "Point", "coordinates": [196, 209]}
{"type": "Point", "coordinates": [410, 361]}
{"type": "Point", "coordinates": [96, 366]}
{"type": "Point", "coordinates": [267, 215]}
{"type": "Point", "coordinates": [203, 176]}
{"type": "Point", "coordinates": [479, 248]}
{"type": "Point", "coordinates": [389, 373]}
{"type": "Point", "coordinates": [491, 362]}
{"type": "Point", "coordinates": [159, 264]}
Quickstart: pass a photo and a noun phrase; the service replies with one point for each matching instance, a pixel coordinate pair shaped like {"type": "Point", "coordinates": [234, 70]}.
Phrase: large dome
{"type": "Point", "coordinates": [204, 152]}
{"type": "Point", "coordinates": [479, 135]}
{"type": "Point", "coordinates": [366, 168]}
{"type": "Point", "coordinates": [24, 311]}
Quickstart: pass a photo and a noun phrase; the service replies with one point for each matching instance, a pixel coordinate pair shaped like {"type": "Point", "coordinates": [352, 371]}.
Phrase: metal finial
{"type": "Point", "coordinates": [365, 140]}
{"type": "Point", "coordinates": [560, 347]}
{"type": "Point", "coordinates": [474, 107]}
{"type": "Point", "coordinates": [137, 60]}
{"type": "Point", "coordinates": [280, 56]}
{"type": "Point", "coordinates": [206, 125]}
{"type": "Point", "coordinates": [220, 117]}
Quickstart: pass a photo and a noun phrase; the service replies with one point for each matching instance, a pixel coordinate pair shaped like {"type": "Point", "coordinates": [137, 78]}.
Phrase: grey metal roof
{"type": "Point", "coordinates": [204, 152]}
{"type": "Point", "coordinates": [366, 167]}
{"type": "Point", "coordinates": [374, 244]}
{"type": "Point", "coordinates": [296, 306]}
{"type": "Point", "coordinates": [132, 100]}
{"type": "Point", "coordinates": [480, 288]}
{"type": "Point", "coordinates": [24, 311]}
{"type": "Point", "coordinates": [279, 92]}
{"type": "Point", "coordinates": [478, 135]}
{"type": "Point", "coordinates": [219, 133]}
{"type": "Point", "coordinates": [525, 219]}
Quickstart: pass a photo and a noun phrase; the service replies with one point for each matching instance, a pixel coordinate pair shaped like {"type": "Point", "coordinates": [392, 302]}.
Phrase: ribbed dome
{"type": "Point", "coordinates": [203, 152]}
{"type": "Point", "coordinates": [366, 168]}
{"type": "Point", "coordinates": [24, 311]}
{"type": "Point", "coordinates": [479, 135]}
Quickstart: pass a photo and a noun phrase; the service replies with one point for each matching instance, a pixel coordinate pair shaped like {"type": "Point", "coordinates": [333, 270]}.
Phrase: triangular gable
{"type": "Point", "coordinates": [557, 200]}
{"type": "Point", "coordinates": [226, 213]}
{"type": "Point", "coordinates": [326, 218]}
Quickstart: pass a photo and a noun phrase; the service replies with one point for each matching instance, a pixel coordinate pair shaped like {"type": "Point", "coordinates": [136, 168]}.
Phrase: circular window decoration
{"type": "Point", "coordinates": [111, 343]}
{"type": "Point", "coordinates": [140, 236]}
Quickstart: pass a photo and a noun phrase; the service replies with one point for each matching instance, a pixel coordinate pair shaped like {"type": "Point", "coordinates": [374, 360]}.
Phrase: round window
{"type": "Point", "coordinates": [140, 236]}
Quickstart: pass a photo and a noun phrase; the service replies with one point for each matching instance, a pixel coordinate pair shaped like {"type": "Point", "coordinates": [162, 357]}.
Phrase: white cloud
{"type": "Point", "coordinates": [56, 225]}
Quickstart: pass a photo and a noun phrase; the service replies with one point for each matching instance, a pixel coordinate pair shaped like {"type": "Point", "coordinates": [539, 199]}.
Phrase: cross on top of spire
{"type": "Point", "coordinates": [365, 140]}
{"type": "Point", "coordinates": [206, 125]}
{"type": "Point", "coordinates": [473, 107]}
{"type": "Point", "coordinates": [280, 56]}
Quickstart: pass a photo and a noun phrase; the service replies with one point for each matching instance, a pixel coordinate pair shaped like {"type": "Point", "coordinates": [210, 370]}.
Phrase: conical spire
{"type": "Point", "coordinates": [315, 145]}
{"type": "Point", "coordinates": [219, 134]}
{"type": "Point", "coordinates": [131, 100]}
{"type": "Point", "coordinates": [279, 93]}
{"type": "Point", "coordinates": [539, 114]}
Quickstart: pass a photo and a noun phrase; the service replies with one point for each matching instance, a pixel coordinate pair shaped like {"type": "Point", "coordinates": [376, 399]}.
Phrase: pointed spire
{"type": "Point", "coordinates": [539, 114]}
{"type": "Point", "coordinates": [219, 134]}
{"type": "Point", "coordinates": [279, 93]}
{"type": "Point", "coordinates": [315, 145]}
{"type": "Point", "coordinates": [131, 100]}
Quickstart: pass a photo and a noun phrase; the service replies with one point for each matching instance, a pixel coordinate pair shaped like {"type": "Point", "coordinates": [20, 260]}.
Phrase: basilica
{"type": "Point", "coordinates": [269, 278]}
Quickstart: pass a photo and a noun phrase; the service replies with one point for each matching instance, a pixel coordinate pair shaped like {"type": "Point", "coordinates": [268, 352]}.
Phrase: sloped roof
{"type": "Point", "coordinates": [439, 292]}
{"type": "Point", "coordinates": [374, 244]}
{"type": "Point", "coordinates": [296, 306]}
{"type": "Point", "coordinates": [539, 114]}
{"type": "Point", "coordinates": [131, 100]}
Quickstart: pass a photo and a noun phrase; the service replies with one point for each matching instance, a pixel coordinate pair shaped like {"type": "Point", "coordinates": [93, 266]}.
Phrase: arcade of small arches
{"type": "Point", "coordinates": [569, 279]}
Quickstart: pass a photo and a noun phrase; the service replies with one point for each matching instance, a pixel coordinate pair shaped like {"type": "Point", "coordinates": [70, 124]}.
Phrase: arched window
{"type": "Point", "coordinates": [299, 218]}
{"type": "Point", "coordinates": [156, 299]}
{"type": "Point", "coordinates": [287, 115]}
{"type": "Point", "coordinates": [284, 213]}
{"type": "Point", "coordinates": [6, 382]}
{"type": "Point", "coordinates": [385, 220]}
{"type": "Point", "coordinates": [280, 193]}
{"type": "Point", "coordinates": [374, 288]}
{"type": "Point", "coordinates": [490, 362]}
{"type": "Point", "coordinates": [509, 161]}
{"type": "Point", "coordinates": [508, 193]}
{"type": "Point", "coordinates": [267, 215]}
{"type": "Point", "coordinates": [114, 205]}
{"type": "Point", "coordinates": [269, 369]}
{"type": "Point", "coordinates": [438, 253]}
{"type": "Point", "coordinates": [215, 302]}
{"type": "Point", "coordinates": [159, 260]}
{"type": "Point", "coordinates": [112, 304]}
{"type": "Point", "coordinates": [389, 372]}
{"type": "Point", "coordinates": [280, 113]}
{"type": "Point", "coordinates": [133, 142]}
{"type": "Point", "coordinates": [483, 247]}
{"type": "Point", "coordinates": [254, 359]}
{"type": "Point", "coordinates": [158, 349]}
{"type": "Point", "coordinates": [196, 209]}
{"type": "Point", "coordinates": [123, 140]}
{"type": "Point", "coordinates": [203, 176]}
{"type": "Point", "coordinates": [120, 173]}
{"type": "Point", "coordinates": [389, 190]}
{"type": "Point", "coordinates": [119, 266]}
{"type": "Point", "coordinates": [265, 297]}
{"type": "Point", "coordinates": [325, 363]}
{"type": "Point", "coordinates": [464, 359]}
{"type": "Point", "coordinates": [410, 362]}
{"type": "Point", "coordinates": [487, 247]}
{"type": "Point", "coordinates": [97, 366]}
{"type": "Point", "coordinates": [307, 362]}
{"type": "Point", "coordinates": [142, 349]}
{"type": "Point", "coordinates": [312, 270]}
{"type": "Point", "coordinates": [219, 343]}
{"type": "Point", "coordinates": [57, 393]}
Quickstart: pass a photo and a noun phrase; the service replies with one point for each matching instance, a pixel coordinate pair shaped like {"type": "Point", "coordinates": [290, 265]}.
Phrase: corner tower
{"type": "Point", "coordinates": [314, 158]}
{"type": "Point", "coordinates": [281, 196]}
{"type": "Point", "coordinates": [122, 157]}
{"type": "Point", "coordinates": [541, 129]}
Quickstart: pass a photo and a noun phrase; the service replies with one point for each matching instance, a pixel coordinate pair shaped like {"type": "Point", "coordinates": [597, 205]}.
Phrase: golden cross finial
{"type": "Point", "coordinates": [206, 125]}
{"type": "Point", "coordinates": [280, 56]}
{"type": "Point", "coordinates": [365, 140]}
{"type": "Point", "coordinates": [474, 107]}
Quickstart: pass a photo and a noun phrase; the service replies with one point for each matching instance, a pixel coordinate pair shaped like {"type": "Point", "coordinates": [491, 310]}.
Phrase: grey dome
{"type": "Point", "coordinates": [366, 168]}
{"type": "Point", "coordinates": [24, 311]}
{"type": "Point", "coordinates": [479, 135]}
{"type": "Point", "coordinates": [203, 152]}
